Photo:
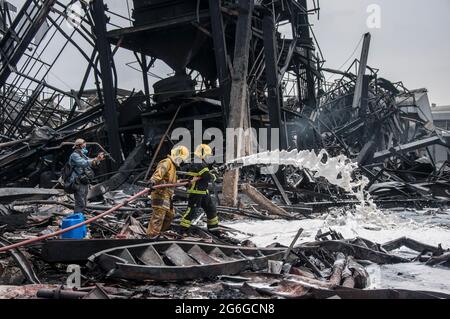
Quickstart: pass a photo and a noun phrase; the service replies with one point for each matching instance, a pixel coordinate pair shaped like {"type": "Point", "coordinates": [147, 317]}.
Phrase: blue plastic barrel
{"type": "Point", "coordinates": [77, 233]}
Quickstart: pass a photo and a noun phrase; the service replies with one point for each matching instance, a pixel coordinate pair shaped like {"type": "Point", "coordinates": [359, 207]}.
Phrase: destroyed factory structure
{"type": "Point", "coordinates": [233, 64]}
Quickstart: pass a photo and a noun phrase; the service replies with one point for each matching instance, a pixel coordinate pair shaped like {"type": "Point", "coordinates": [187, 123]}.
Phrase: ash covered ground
{"type": "Point", "coordinates": [428, 225]}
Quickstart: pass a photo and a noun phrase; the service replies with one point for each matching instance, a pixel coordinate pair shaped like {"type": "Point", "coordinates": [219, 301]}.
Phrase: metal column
{"type": "Point", "coordinates": [109, 98]}
{"type": "Point", "coordinates": [364, 97]}
{"type": "Point", "coordinates": [302, 30]}
{"type": "Point", "coordinates": [273, 87]}
{"type": "Point", "coordinates": [238, 117]}
{"type": "Point", "coordinates": [361, 71]}
{"type": "Point", "coordinates": [220, 51]}
{"type": "Point", "coordinates": [145, 67]}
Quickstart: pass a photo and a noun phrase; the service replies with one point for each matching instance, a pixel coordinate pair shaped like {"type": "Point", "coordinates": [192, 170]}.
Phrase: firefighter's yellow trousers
{"type": "Point", "coordinates": [160, 221]}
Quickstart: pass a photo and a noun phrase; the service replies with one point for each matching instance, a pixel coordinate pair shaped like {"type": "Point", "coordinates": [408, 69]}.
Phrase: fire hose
{"type": "Point", "coordinates": [90, 220]}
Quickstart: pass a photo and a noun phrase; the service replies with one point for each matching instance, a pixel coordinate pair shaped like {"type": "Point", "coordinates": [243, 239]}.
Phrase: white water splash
{"type": "Point", "coordinates": [336, 170]}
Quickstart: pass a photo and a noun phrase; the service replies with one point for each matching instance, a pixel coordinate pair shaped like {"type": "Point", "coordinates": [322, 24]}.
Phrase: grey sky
{"type": "Point", "coordinates": [412, 44]}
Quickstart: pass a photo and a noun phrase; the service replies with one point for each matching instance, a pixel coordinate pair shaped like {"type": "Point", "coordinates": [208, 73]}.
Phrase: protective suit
{"type": "Point", "coordinates": [198, 191]}
{"type": "Point", "coordinates": [163, 212]}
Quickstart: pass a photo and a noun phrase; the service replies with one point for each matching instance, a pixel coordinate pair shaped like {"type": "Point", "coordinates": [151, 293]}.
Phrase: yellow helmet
{"type": "Point", "coordinates": [179, 154]}
{"type": "Point", "coordinates": [202, 151]}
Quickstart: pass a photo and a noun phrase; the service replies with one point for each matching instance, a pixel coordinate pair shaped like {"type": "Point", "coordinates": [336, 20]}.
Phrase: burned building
{"type": "Point", "coordinates": [238, 63]}
{"type": "Point", "coordinates": [346, 148]}
{"type": "Point", "coordinates": [250, 64]}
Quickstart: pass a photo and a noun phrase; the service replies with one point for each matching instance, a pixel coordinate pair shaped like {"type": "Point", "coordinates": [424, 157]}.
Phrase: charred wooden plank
{"type": "Point", "coordinates": [263, 202]}
{"type": "Point", "coordinates": [353, 250]}
{"type": "Point", "coordinates": [79, 250]}
{"type": "Point", "coordinates": [8, 195]}
{"type": "Point", "coordinates": [411, 244]}
{"type": "Point", "coordinates": [444, 259]}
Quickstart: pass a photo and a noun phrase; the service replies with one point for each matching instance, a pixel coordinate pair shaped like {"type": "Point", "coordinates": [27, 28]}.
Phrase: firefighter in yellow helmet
{"type": "Point", "coordinates": [198, 195]}
{"type": "Point", "coordinates": [165, 173]}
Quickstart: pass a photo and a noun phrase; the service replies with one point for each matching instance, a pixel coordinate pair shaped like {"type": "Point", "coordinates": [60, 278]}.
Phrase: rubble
{"type": "Point", "coordinates": [265, 203]}
{"type": "Point", "coordinates": [360, 144]}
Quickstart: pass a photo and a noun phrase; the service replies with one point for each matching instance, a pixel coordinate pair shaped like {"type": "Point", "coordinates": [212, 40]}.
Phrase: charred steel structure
{"type": "Point", "coordinates": [235, 63]}
{"type": "Point", "coordinates": [202, 60]}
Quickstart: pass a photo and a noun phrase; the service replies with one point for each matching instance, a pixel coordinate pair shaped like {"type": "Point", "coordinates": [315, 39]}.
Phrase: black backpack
{"type": "Point", "coordinates": [65, 176]}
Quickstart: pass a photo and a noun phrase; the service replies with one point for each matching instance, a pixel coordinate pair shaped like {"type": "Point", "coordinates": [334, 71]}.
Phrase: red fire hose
{"type": "Point", "coordinates": [90, 220]}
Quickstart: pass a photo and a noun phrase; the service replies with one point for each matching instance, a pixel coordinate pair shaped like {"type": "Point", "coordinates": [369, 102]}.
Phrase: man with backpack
{"type": "Point", "coordinates": [81, 173]}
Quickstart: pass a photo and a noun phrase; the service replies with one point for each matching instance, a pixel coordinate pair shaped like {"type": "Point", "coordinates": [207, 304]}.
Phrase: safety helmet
{"type": "Point", "coordinates": [179, 154]}
{"type": "Point", "coordinates": [78, 143]}
{"type": "Point", "coordinates": [202, 151]}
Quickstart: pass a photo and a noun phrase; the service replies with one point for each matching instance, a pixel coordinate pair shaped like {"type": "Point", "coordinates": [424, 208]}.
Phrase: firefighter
{"type": "Point", "coordinates": [198, 194]}
{"type": "Point", "coordinates": [165, 173]}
